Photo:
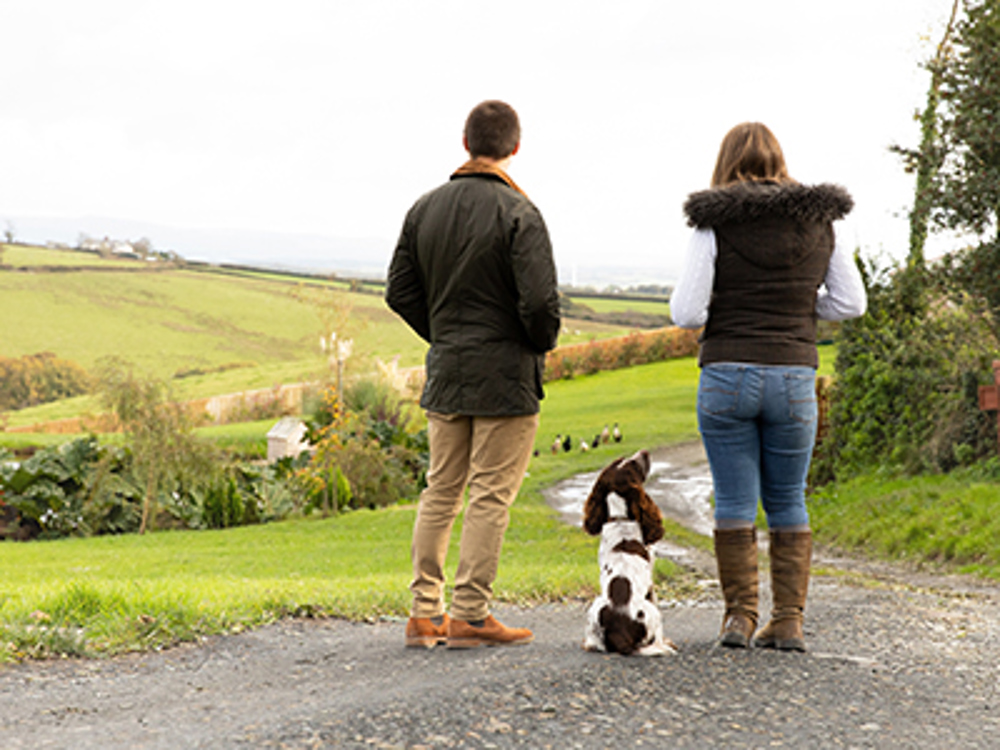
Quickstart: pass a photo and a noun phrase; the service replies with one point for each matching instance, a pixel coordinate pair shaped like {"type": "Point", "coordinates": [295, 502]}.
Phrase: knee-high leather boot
{"type": "Point", "coordinates": [791, 558]}
{"type": "Point", "coordinates": [736, 556]}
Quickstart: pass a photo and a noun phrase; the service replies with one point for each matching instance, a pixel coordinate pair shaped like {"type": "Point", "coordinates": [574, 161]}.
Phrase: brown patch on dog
{"type": "Point", "coordinates": [632, 547]}
{"type": "Point", "coordinates": [619, 591]}
{"type": "Point", "coordinates": [622, 634]}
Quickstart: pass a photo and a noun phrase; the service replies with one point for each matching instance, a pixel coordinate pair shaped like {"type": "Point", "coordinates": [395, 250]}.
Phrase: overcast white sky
{"type": "Point", "coordinates": [331, 117]}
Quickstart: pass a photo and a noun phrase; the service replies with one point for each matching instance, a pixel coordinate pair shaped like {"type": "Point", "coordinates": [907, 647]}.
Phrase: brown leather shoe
{"type": "Point", "coordinates": [421, 632]}
{"type": "Point", "coordinates": [463, 634]}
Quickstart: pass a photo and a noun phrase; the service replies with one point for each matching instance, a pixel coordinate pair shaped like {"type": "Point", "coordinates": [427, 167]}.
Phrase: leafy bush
{"type": "Point", "coordinates": [624, 351]}
{"type": "Point", "coordinates": [223, 505]}
{"type": "Point", "coordinates": [975, 271]}
{"type": "Point", "coordinates": [38, 379]}
{"type": "Point", "coordinates": [368, 453]}
{"type": "Point", "coordinates": [81, 488]}
{"type": "Point", "coordinates": [905, 398]}
{"type": "Point", "coordinates": [73, 489]}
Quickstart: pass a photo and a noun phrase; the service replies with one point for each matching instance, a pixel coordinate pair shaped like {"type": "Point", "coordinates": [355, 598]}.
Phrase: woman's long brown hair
{"type": "Point", "coordinates": [749, 152]}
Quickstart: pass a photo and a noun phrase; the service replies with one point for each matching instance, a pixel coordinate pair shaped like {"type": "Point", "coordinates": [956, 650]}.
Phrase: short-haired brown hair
{"type": "Point", "coordinates": [749, 152]}
{"type": "Point", "coordinates": [492, 130]}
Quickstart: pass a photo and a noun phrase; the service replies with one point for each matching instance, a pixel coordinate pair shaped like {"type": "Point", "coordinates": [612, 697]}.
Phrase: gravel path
{"type": "Point", "coordinates": [897, 659]}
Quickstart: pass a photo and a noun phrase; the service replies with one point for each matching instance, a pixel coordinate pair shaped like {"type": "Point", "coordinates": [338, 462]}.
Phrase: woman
{"type": "Point", "coordinates": [762, 265]}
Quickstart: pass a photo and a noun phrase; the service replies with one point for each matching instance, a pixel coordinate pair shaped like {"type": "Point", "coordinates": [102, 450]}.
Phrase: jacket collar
{"type": "Point", "coordinates": [480, 168]}
{"type": "Point", "coordinates": [743, 202]}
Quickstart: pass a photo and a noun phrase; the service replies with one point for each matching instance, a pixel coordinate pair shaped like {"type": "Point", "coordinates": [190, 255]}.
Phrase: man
{"type": "Point", "coordinates": [473, 275]}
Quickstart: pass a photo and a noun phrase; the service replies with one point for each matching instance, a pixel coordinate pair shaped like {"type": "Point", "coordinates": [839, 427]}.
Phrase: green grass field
{"type": "Point", "coordinates": [20, 256]}
{"type": "Point", "coordinates": [948, 521]}
{"type": "Point", "coordinates": [610, 304]}
{"type": "Point", "coordinates": [183, 320]}
{"type": "Point", "coordinates": [109, 594]}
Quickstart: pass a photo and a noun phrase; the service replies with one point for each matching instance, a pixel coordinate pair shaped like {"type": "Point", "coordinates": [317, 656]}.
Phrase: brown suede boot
{"type": "Point", "coordinates": [791, 558]}
{"type": "Point", "coordinates": [463, 634]}
{"type": "Point", "coordinates": [421, 632]}
{"type": "Point", "coordinates": [736, 556]}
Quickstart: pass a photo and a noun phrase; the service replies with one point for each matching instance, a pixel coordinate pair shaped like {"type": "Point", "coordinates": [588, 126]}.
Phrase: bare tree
{"type": "Point", "coordinates": [143, 247]}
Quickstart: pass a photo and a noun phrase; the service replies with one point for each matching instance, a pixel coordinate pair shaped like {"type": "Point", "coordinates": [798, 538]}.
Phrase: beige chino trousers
{"type": "Point", "coordinates": [489, 455]}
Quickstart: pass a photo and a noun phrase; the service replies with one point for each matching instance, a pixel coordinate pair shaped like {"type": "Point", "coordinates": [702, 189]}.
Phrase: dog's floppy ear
{"type": "Point", "coordinates": [595, 510]}
{"type": "Point", "coordinates": [646, 512]}
{"type": "Point", "coordinates": [641, 508]}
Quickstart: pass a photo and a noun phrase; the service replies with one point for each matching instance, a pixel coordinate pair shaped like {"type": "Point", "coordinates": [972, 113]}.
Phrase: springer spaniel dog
{"type": "Point", "coordinates": [624, 618]}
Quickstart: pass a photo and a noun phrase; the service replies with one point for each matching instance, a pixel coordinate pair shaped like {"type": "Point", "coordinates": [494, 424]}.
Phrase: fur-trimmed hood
{"type": "Point", "coordinates": [743, 202]}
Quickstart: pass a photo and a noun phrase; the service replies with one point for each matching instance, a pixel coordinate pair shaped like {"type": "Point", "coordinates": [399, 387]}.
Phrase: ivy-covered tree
{"type": "Point", "coordinates": [966, 188]}
{"type": "Point", "coordinates": [924, 161]}
{"type": "Point", "coordinates": [958, 161]}
{"type": "Point", "coordinates": [908, 371]}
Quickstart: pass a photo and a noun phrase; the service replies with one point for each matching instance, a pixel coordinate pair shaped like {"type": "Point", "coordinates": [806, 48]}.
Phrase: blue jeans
{"type": "Point", "coordinates": [758, 424]}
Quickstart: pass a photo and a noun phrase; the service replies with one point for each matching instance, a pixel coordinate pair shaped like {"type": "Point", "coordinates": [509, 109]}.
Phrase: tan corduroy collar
{"type": "Point", "coordinates": [478, 166]}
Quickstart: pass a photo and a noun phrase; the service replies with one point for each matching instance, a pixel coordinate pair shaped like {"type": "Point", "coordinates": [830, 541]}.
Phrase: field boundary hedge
{"type": "Point", "coordinates": [562, 363]}
{"type": "Point", "coordinates": [636, 348]}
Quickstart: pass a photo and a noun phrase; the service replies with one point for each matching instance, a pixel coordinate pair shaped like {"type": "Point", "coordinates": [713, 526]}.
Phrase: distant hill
{"type": "Point", "coordinates": [367, 257]}
{"type": "Point", "coordinates": [211, 330]}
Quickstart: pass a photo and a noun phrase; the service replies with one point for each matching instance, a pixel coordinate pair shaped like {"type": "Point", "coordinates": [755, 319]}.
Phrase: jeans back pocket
{"type": "Point", "coordinates": [719, 389]}
{"type": "Point", "coordinates": [800, 389]}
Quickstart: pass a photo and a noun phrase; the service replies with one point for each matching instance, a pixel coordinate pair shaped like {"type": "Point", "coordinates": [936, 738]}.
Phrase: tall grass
{"type": "Point", "coordinates": [948, 520]}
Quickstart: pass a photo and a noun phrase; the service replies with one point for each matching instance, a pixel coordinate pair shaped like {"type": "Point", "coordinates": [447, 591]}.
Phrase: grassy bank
{"type": "Point", "coordinates": [946, 521]}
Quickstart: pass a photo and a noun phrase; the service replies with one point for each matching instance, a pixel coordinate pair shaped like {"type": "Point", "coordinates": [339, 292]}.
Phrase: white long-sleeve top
{"type": "Point", "coordinates": [841, 296]}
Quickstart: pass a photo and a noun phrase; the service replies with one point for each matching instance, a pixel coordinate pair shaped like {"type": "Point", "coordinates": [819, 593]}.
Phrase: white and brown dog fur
{"type": "Point", "coordinates": [625, 618]}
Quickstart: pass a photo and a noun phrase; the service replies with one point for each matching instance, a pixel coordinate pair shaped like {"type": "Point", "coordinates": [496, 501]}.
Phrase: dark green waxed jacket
{"type": "Point", "coordinates": [473, 275]}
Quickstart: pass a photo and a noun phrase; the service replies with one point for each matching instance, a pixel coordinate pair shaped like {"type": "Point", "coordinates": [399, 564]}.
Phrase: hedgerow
{"type": "Point", "coordinates": [38, 379]}
{"type": "Point", "coordinates": [637, 348]}
{"type": "Point", "coordinates": [905, 396]}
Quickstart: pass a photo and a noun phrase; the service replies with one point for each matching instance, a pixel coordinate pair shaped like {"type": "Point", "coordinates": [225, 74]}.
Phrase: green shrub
{"type": "Point", "coordinates": [369, 452]}
{"type": "Point", "coordinates": [222, 505]}
{"type": "Point", "coordinates": [905, 397]}
{"type": "Point", "coordinates": [38, 379]}
{"type": "Point", "coordinates": [636, 348]}
{"type": "Point", "coordinates": [73, 489]}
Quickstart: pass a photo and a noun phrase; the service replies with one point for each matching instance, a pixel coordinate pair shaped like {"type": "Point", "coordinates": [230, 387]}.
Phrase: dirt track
{"type": "Point", "coordinates": [897, 659]}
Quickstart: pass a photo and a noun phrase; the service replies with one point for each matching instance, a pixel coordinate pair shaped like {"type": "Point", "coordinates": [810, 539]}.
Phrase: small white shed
{"type": "Point", "coordinates": [286, 438]}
